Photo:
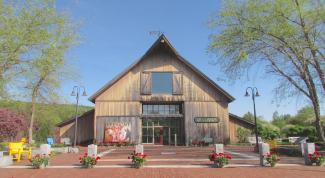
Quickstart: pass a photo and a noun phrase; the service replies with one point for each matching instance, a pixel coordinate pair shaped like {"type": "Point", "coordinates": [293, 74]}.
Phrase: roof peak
{"type": "Point", "coordinates": [162, 39]}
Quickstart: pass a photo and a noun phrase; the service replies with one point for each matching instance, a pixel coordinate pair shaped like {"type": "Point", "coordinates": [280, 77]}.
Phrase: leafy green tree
{"type": "Point", "coordinates": [285, 36]}
{"type": "Point", "coordinates": [305, 116]}
{"type": "Point", "coordinates": [280, 120]}
{"type": "Point", "coordinates": [38, 39]}
{"type": "Point", "coordinates": [242, 134]}
{"type": "Point", "coordinates": [249, 117]}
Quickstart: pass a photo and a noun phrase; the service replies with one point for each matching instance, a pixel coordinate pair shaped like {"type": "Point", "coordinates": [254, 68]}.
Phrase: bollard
{"type": "Point", "coordinates": [263, 148]}
{"type": "Point", "coordinates": [218, 148]}
{"type": "Point", "coordinates": [175, 139]}
{"type": "Point", "coordinates": [309, 148]}
{"type": "Point", "coordinates": [45, 149]}
{"type": "Point", "coordinates": [139, 149]}
{"type": "Point", "coordinates": [92, 150]}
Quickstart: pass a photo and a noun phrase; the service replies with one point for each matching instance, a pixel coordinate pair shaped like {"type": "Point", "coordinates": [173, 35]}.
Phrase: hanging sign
{"type": "Point", "coordinates": [206, 120]}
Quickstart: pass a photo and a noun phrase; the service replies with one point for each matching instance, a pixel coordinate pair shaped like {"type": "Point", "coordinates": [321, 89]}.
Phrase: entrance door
{"type": "Point", "coordinates": [161, 131]}
{"type": "Point", "coordinates": [159, 135]}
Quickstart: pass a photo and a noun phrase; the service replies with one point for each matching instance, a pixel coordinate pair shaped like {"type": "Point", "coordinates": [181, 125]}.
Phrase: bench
{"type": "Point", "coordinates": [17, 148]}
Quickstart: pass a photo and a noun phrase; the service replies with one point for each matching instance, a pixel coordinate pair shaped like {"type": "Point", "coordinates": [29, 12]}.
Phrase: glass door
{"type": "Point", "coordinates": [158, 135]}
{"type": "Point", "coordinates": [147, 131]}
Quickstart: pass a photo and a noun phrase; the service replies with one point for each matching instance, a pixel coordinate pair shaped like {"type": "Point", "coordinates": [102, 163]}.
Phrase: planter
{"type": "Point", "coordinates": [217, 164]}
{"type": "Point", "coordinates": [272, 164]}
{"type": "Point", "coordinates": [41, 166]}
{"type": "Point", "coordinates": [137, 165]}
{"type": "Point", "coordinates": [320, 164]}
{"type": "Point", "coordinates": [88, 166]}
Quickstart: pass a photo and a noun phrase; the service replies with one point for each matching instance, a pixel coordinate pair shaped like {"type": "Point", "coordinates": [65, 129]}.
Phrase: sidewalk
{"type": "Point", "coordinates": [278, 172]}
{"type": "Point", "coordinates": [165, 161]}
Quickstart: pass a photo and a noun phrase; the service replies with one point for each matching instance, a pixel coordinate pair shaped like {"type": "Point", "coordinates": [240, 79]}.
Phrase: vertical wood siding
{"type": "Point", "coordinates": [200, 98]}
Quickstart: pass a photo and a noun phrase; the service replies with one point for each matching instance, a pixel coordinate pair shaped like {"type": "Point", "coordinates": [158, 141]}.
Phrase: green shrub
{"type": "Point", "coordinates": [58, 145]}
{"type": "Point", "coordinates": [288, 151]}
{"type": "Point", "coordinates": [243, 134]}
{"type": "Point", "coordinates": [3, 145]}
{"type": "Point", "coordinates": [267, 133]}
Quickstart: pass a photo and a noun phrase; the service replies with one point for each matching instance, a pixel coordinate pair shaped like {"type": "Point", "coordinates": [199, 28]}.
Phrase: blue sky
{"type": "Point", "coordinates": [116, 33]}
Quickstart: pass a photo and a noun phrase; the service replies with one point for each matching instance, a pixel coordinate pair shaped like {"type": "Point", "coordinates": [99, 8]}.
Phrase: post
{"type": "Point", "coordinates": [218, 148]}
{"type": "Point", "coordinates": [92, 150]}
{"type": "Point", "coordinates": [169, 139]}
{"type": "Point", "coordinates": [254, 93]}
{"type": "Point", "coordinates": [45, 149]}
{"type": "Point", "coordinates": [309, 148]}
{"type": "Point", "coordinates": [175, 139]}
{"type": "Point", "coordinates": [139, 148]}
{"type": "Point", "coordinates": [255, 120]}
{"type": "Point", "coordinates": [76, 120]}
{"type": "Point", "coordinates": [264, 148]}
{"type": "Point", "coordinates": [77, 88]}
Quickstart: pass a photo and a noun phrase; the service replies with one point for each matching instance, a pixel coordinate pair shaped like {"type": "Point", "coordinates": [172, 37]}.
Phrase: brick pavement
{"type": "Point", "coordinates": [167, 156]}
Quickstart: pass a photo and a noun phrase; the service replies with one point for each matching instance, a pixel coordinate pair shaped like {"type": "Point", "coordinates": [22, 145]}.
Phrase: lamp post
{"type": "Point", "coordinates": [76, 92]}
{"type": "Point", "coordinates": [254, 93]}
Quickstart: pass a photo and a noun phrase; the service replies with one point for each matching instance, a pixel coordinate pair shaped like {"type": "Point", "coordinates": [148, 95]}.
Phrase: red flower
{"type": "Point", "coordinates": [86, 154]}
{"type": "Point", "coordinates": [97, 158]}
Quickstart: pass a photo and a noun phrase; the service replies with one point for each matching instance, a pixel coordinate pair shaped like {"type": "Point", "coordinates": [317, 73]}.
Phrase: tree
{"type": "Point", "coordinates": [249, 117]}
{"type": "Point", "coordinates": [12, 125]}
{"type": "Point", "coordinates": [284, 36]}
{"type": "Point", "coordinates": [305, 116]}
{"type": "Point", "coordinates": [242, 134]}
{"type": "Point", "coordinates": [43, 42]}
{"type": "Point", "coordinates": [46, 116]}
{"type": "Point", "coordinates": [280, 120]}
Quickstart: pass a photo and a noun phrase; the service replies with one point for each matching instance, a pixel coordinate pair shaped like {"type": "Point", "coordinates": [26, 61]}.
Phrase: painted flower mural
{"type": "Point", "coordinates": [117, 132]}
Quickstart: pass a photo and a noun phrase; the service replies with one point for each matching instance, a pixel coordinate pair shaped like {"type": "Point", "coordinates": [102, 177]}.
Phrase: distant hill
{"type": "Point", "coordinates": [47, 115]}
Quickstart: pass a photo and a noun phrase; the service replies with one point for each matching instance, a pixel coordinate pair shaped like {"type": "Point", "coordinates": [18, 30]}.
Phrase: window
{"type": "Point", "coordinates": [162, 83]}
{"type": "Point", "coordinates": [161, 109]}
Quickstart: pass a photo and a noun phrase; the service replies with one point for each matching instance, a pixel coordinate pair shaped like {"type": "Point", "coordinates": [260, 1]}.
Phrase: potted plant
{"type": "Point", "coordinates": [88, 161]}
{"type": "Point", "coordinates": [138, 159]}
{"type": "Point", "coordinates": [272, 159]}
{"type": "Point", "coordinates": [317, 158]}
{"type": "Point", "coordinates": [219, 159]}
{"type": "Point", "coordinates": [40, 161]}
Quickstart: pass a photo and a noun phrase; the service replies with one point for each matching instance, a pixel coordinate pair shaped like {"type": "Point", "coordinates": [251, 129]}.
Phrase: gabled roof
{"type": "Point", "coordinates": [160, 40]}
{"type": "Point", "coordinates": [240, 119]}
{"type": "Point", "coordinates": [72, 119]}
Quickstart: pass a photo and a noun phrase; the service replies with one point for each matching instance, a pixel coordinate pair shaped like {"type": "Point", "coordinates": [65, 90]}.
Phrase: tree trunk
{"type": "Point", "coordinates": [31, 124]}
{"type": "Point", "coordinates": [318, 125]}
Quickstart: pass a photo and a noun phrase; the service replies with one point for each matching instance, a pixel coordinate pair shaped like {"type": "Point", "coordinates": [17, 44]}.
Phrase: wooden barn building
{"type": "Point", "coordinates": [159, 99]}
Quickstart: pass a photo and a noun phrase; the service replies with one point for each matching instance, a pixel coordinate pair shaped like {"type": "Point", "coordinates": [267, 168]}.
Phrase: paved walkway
{"type": "Point", "coordinates": [278, 172]}
{"type": "Point", "coordinates": [165, 161]}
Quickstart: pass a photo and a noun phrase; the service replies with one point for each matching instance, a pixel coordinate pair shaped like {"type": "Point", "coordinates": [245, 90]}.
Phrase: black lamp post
{"type": "Point", "coordinates": [254, 93]}
{"type": "Point", "coordinates": [76, 92]}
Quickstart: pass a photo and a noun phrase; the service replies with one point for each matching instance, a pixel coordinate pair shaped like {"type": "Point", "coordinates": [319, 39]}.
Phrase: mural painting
{"type": "Point", "coordinates": [117, 132]}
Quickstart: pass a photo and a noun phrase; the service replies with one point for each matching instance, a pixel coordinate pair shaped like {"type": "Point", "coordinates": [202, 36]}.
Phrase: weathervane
{"type": "Point", "coordinates": [155, 33]}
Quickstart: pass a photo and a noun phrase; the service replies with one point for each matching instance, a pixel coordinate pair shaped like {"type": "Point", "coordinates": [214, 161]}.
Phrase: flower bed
{"type": "Point", "coordinates": [40, 161]}
{"type": "Point", "coordinates": [219, 159]}
{"type": "Point", "coordinates": [138, 159]}
{"type": "Point", "coordinates": [88, 161]}
{"type": "Point", "coordinates": [317, 158]}
{"type": "Point", "coordinates": [272, 159]}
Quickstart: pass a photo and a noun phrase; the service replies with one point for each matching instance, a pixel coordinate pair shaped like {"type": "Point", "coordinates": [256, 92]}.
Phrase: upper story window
{"type": "Point", "coordinates": [162, 83]}
{"type": "Point", "coordinates": [170, 83]}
